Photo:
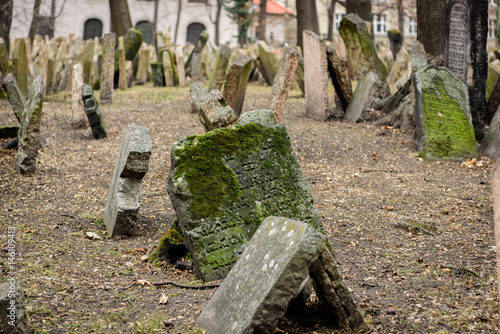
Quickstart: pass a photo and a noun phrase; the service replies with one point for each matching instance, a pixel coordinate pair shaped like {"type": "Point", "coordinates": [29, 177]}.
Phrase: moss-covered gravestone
{"type": "Point", "coordinates": [20, 65]}
{"type": "Point", "coordinates": [212, 109]}
{"type": "Point", "coordinates": [4, 58]}
{"type": "Point", "coordinates": [443, 123]}
{"type": "Point", "coordinates": [224, 183]}
{"type": "Point", "coordinates": [94, 115]}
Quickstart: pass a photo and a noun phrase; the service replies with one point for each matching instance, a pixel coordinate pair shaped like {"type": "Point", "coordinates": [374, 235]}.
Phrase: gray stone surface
{"type": "Point", "coordinates": [443, 123]}
{"type": "Point", "coordinates": [457, 38]}
{"type": "Point", "coordinates": [94, 115]}
{"type": "Point", "coordinates": [88, 56]}
{"type": "Point", "coordinates": [269, 61]}
{"type": "Point", "coordinates": [224, 183]}
{"type": "Point", "coordinates": [122, 206]}
{"type": "Point", "coordinates": [142, 69]}
{"type": "Point", "coordinates": [20, 68]}
{"type": "Point", "coordinates": [108, 68]}
{"type": "Point", "coordinates": [235, 85]}
{"type": "Point", "coordinates": [30, 129]}
{"type": "Point", "coordinates": [16, 98]}
{"type": "Point", "coordinates": [219, 72]}
{"type": "Point", "coordinates": [198, 47]}
{"type": "Point", "coordinates": [78, 118]}
{"type": "Point", "coordinates": [418, 56]}
{"type": "Point", "coordinates": [490, 146]}
{"type": "Point", "coordinates": [168, 69]}
{"type": "Point", "coordinates": [269, 273]}
{"type": "Point", "coordinates": [13, 319]}
{"type": "Point", "coordinates": [283, 81]}
{"type": "Point", "coordinates": [179, 60]}
{"type": "Point", "coordinates": [212, 109]}
{"type": "Point", "coordinates": [368, 89]}
{"type": "Point", "coordinates": [315, 77]}
{"type": "Point", "coordinates": [122, 65]}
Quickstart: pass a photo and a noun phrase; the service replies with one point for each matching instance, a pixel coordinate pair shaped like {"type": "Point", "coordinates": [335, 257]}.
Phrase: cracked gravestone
{"type": "Point", "coordinates": [235, 85]}
{"type": "Point", "coordinates": [223, 184]}
{"type": "Point", "coordinates": [283, 81]}
{"type": "Point", "coordinates": [281, 255]}
{"type": "Point", "coordinates": [122, 206]}
{"type": "Point", "coordinates": [93, 111]}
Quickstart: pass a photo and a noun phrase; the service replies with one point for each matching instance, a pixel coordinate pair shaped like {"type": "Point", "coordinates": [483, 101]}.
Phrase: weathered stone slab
{"type": "Point", "coordinates": [418, 56]}
{"type": "Point", "coordinates": [129, 65]}
{"type": "Point", "coordinates": [168, 69]}
{"type": "Point", "coordinates": [198, 47]}
{"type": "Point", "coordinates": [269, 60]}
{"type": "Point", "coordinates": [122, 206]}
{"type": "Point", "coordinates": [107, 73]}
{"type": "Point", "coordinates": [142, 70]}
{"type": "Point", "coordinates": [219, 73]}
{"type": "Point", "coordinates": [20, 65]}
{"type": "Point", "coordinates": [443, 123]}
{"type": "Point", "coordinates": [490, 146]}
{"type": "Point", "coordinates": [457, 38]}
{"type": "Point", "coordinates": [4, 58]}
{"type": "Point", "coordinates": [316, 76]}
{"type": "Point", "coordinates": [30, 129]}
{"type": "Point", "coordinates": [361, 52]}
{"type": "Point", "coordinates": [122, 65]}
{"type": "Point", "coordinates": [50, 71]}
{"type": "Point", "coordinates": [269, 273]}
{"type": "Point", "coordinates": [211, 107]}
{"type": "Point", "coordinates": [157, 74]}
{"type": "Point", "coordinates": [400, 71]}
{"type": "Point", "coordinates": [179, 60]}
{"type": "Point", "coordinates": [94, 115]}
{"type": "Point", "coordinates": [493, 87]}
{"type": "Point", "coordinates": [16, 98]}
{"type": "Point", "coordinates": [236, 82]}
{"type": "Point", "coordinates": [224, 183]}
{"type": "Point", "coordinates": [78, 118]}
{"type": "Point", "coordinates": [299, 75]}
{"type": "Point", "coordinates": [339, 76]}
{"type": "Point", "coordinates": [283, 81]}
{"type": "Point", "coordinates": [88, 56]}
{"type": "Point", "coordinates": [13, 319]}
{"type": "Point", "coordinates": [368, 89]}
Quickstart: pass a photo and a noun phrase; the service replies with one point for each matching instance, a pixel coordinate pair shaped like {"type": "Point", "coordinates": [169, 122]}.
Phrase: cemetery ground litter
{"type": "Point", "coordinates": [413, 239]}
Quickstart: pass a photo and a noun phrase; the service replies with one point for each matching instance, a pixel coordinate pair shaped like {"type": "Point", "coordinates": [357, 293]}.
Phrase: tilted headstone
{"type": "Point", "coordinates": [122, 206]}
{"type": "Point", "coordinates": [198, 47]}
{"type": "Point", "coordinates": [157, 74]}
{"type": "Point", "coordinates": [122, 65]}
{"type": "Point", "coordinates": [339, 76]}
{"type": "Point", "coordinates": [235, 84]}
{"type": "Point", "coordinates": [196, 68]}
{"type": "Point", "coordinates": [223, 184]}
{"type": "Point", "coordinates": [179, 60]}
{"type": "Point", "coordinates": [269, 60]}
{"type": "Point", "coordinates": [400, 71]}
{"type": "Point", "coordinates": [219, 73]}
{"type": "Point", "coordinates": [50, 71]}
{"type": "Point", "coordinates": [142, 70]}
{"type": "Point", "coordinates": [443, 123]}
{"type": "Point", "coordinates": [212, 109]}
{"type": "Point", "coordinates": [418, 56]}
{"type": "Point", "coordinates": [316, 76]}
{"type": "Point", "coordinates": [108, 58]}
{"type": "Point", "coordinates": [168, 69]}
{"type": "Point", "coordinates": [78, 118]}
{"type": "Point", "coordinates": [4, 58]}
{"type": "Point", "coordinates": [490, 145]}
{"type": "Point", "coordinates": [29, 132]}
{"type": "Point", "coordinates": [456, 42]}
{"type": "Point", "coordinates": [16, 98]}
{"type": "Point", "coordinates": [132, 42]}
{"type": "Point", "coordinates": [368, 89]}
{"type": "Point", "coordinates": [395, 40]}
{"type": "Point", "coordinates": [94, 115]}
{"type": "Point", "coordinates": [281, 255]}
{"type": "Point", "coordinates": [283, 81]}
{"type": "Point", "coordinates": [88, 56]}
{"type": "Point", "coordinates": [20, 65]}
{"type": "Point", "coordinates": [361, 52]}
{"type": "Point", "coordinates": [13, 319]}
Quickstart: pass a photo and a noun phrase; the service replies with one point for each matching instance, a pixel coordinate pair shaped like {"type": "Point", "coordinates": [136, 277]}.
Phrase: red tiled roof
{"type": "Point", "coordinates": [273, 8]}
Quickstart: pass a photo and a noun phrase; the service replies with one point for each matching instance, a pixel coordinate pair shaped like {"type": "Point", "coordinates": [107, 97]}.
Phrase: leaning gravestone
{"type": "Point", "coordinates": [278, 259]}
{"type": "Point", "coordinates": [29, 132]}
{"type": "Point", "coordinates": [490, 146]}
{"type": "Point", "coordinates": [283, 81]}
{"type": "Point", "coordinates": [213, 111]}
{"type": "Point", "coordinates": [78, 120]}
{"type": "Point", "coordinates": [235, 84]}
{"type": "Point", "coordinates": [361, 52]}
{"type": "Point", "coordinates": [367, 91]}
{"type": "Point", "coordinates": [198, 47]}
{"type": "Point", "coordinates": [456, 42]}
{"type": "Point", "coordinates": [443, 123]}
{"type": "Point", "coordinates": [94, 115]}
{"type": "Point", "coordinates": [316, 77]}
{"type": "Point", "coordinates": [493, 86]}
{"type": "Point", "coordinates": [108, 55]}
{"type": "Point", "coordinates": [219, 73]}
{"type": "Point", "coordinates": [340, 80]}
{"type": "Point", "coordinates": [13, 319]}
{"type": "Point", "coordinates": [122, 206]}
{"type": "Point", "coordinates": [269, 60]}
{"type": "Point", "coordinates": [16, 98]}
{"type": "Point", "coordinates": [223, 184]}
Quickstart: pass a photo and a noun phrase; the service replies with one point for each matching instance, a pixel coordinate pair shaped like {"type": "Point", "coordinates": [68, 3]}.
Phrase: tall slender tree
{"type": "Point", "coordinates": [431, 16]}
{"type": "Point", "coordinates": [35, 19]}
{"type": "Point", "coordinates": [6, 7]}
{"type": "Point", "coordinates": [303, 20]}
{"type": "Point", "coordinates": [260, 31]}
{"type": "Point", "coordinates": [120, 17]}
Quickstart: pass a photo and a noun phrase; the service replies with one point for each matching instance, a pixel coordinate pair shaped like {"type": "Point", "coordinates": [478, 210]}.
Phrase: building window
{"type": "Point", "coordinates": [412, 28]}
{"type": "Point", "coordinates": [147, 31]}
{"type": "Point", "coordinates": [379, 24]}
{"type": "Point", "coordinates": [44, 27]}
{"type": "Point", "coordinates": [491, 28]}
{"type": "Point", "coordinates": [338, 18]}
{"type": "Point", "coordinates": [92, 28]}
{"type": "Point", "coordinates": [193, 31]}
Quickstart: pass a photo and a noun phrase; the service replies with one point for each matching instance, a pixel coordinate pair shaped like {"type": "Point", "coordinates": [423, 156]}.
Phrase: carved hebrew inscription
{"type": "Point", "coordinates": [458, 40]}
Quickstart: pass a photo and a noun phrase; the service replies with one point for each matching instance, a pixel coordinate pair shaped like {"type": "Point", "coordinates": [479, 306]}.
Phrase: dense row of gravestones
{"type": "Point", "coordinates": [243, 205]}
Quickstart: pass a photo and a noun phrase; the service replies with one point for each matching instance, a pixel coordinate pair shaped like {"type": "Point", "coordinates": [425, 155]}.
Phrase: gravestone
{"type": "Point", "coordinates": [29, 132]}
{"type": "Point", "coordinates": [283, 81]}
{"type": "Point", "coordinates": [142, 70]}
{"type": "Point", "coordinates": [443, 124]}
{"type": "Point", "coordinates": [361, 54]}
{"type": "Point", "coordinates": [395, 40]}
{"type": "Point", "coordinates": [132, 42]}
{"type": "Point", "coordinates": [88, 56]}
{"type": "Point", "coordinates": [122, 206]}
{"type": "Point", "coordinates": [235, 84]}
{"type": "Point", "coordinates": [129, 65]}
{"type": "Point", "coordinates": [4, 59]}
{"type": "Point", "coordinates": [219, 73]}
{"type": "Point", "coordinates": [94, 115]}
{"type": "Point", "coordinates": [78, 118]}
{"type": "Point", "coordinates": [198, 47]}
{"type": "Point", "coordinates": [223, 184]}
{"type": "Point", "coordinates": [339, 76]}
{"type": "Point", "coordinates": [13, 319]}
{"type": "Point", "coordinates": [122, 65]}
{"type": "Point", "coordinates": [16, 98]}
{"type": "Point", "coordinates": [49, 72]}
{"type": "Point", "coordinates": [456, 42]}
{"type": "Point", "coordinates": [179, 60]}
{"type": "Point", "coordinates": [316, 76]}
{"type": "Point", "coordinates": [20, 65]}
{"type": "Point", "coordinates": [157, 74]}
{"type": "Point", "coordinates": [493, 86]}
{"type": "Point", "coordinates": [278, 259]}
{"type": "Point", "coordinates": [269, 61]}
{"type": "Point", "coordinates": [168, 69]}
{"type": "Point", "coordinates": [108, 59]}
{"type": "Point", "coordinates": [196, 68]}
{"type": "Point", "coordinates": [418, 56]}
{"type": "Point", "coordinates": [367, 91]}
{"type": "Point", "coordinates": [212, 109]}
{"type": "Point", "coordinates": [490, 146]}
{"type": "Point", "coordinates": [299, 75]}
{"type": "Point", "coordinates": [400, 71]}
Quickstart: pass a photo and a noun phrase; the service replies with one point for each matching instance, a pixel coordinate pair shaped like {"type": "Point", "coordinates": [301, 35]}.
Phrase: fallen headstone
{"type": "Point", "coordinates": [283, 81]}
{"type": "Point", "coordinates": [213, 111]}
{"type": "Point", "coordinates": [340, 79]}
{"type": "Point", "coordinates": [277, 260]}
{"type": "Point", "coordinates": [94, 115]}
{"type": "Point", "coordinates": [235, 84]}
{"type": "Point", "coordinates": [223, 184]}
{"type": "Point", "coordinates": [122, 206]}
{"type": "Point", "coordinates": [367, 91]}
{"type": "Point", "coordinates": [443, 123]}
{"type": "Point", "coordinates": [108, 66]}
{"type": "Point", "coordinates": [219, 73]}
{"type": "Point", "coordinates": [13, 319]}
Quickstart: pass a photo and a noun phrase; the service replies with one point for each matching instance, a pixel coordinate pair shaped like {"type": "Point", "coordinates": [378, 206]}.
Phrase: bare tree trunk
{"type": "Point", "coordinates": [120, 17]}
{"type": "Point", "coordinates": [363, 8]}
{"type": "Point", "coordinates": [431, 16]}
{"type": "Point", "coordinates": [217, 22]}
{"type": "Point", "coordinates": [6, 7]}
{"type": "Point", "coordinates": [52, 18]}
{"type": "Point", "coordinates": [314, 17]}
{"type": "Point", "coordinates": [35, 19]}
{"type": "Point", "coordinates": [331, 20]}
{"type": "Point", "coordinates": [155, 25]}
{"type": "Point", "coordinates": [261, 28]}
{"type": "Point", "coordinates": [401, 19]}
{"type": "Point", "coordinates": [179, 10]}
{"type": "Point", "coordinates": [303, 20]}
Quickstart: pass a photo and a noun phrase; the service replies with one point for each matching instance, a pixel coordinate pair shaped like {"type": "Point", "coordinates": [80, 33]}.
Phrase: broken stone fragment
{"type": "Point", "coordinates": [93, 111]}
{"type": "Point", "coordinates": [171, 247]}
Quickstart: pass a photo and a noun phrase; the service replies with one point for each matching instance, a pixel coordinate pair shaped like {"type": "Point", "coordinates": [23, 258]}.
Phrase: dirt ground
{"type": "Point", "coordinates": [413, 239]}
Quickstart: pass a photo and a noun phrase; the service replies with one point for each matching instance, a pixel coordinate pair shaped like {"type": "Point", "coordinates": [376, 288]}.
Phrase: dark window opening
{"type": "Point", "coordinates": [147, 31]}
{"type": "Point", "coordinates": [91, 29]}
{"type": "Point", "coordinates": [193, 31]}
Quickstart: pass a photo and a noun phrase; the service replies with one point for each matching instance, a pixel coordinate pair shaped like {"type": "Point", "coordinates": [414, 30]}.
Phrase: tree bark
{"type": "Point", "coordinates": [155, 25]}
{"type": "Point", "coordinates": [6, 7]}
{"type": "Point", "coordinates": [363, 8]}
{"type": "Point", "coordinates": [431, 16]}
{"type": "Point", "coordinates": [314, 17]}
{"type": "Point", "coordinates": [179, 10]}
{"type": "Point", "coordinates": [120, 17]}
{"type": "Point", "coordinates": [401, 19]}
{"type": "Point", "coordinates": [217, 22]}
{"type": "Point", "coordinates": [303, 20]}
{"type": "Point", "coordinates": [35, 19]}
{"type": "Point", "coordinates": [52, 18]}
{"type": "Point", "coordinates": [261, 28]}
{"type": "Point", "coordinates": [331, 20]}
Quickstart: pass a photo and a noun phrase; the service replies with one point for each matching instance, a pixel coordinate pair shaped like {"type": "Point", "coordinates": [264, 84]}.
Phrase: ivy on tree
{"type": "Point", "coordinates": [241, 12]}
